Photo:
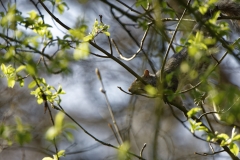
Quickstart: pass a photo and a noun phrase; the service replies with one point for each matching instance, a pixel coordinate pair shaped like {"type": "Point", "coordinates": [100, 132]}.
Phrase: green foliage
{"type": "Point", "coordinates": [5, 134]}
{"type": "Point", "coordinates": [61, 6]}
{"type": "Point", "coordinates": [55, 130]}
{"type": "Point", "coordinates": [11, 74]}
{"type": "Point", "coordinates": [45, 92]}
{"type": "Point", "coordinates": [9, 54]}
{"type": "Point", "coordinates": [196, 44]}
{"type": "Point", "coordinates": [61, 61]}
{"type": "Point", "coordinates": [19, 133]}
{"type": "Point", "coordinates": [61, 153]}
{"type": "Point", "coordinates": [222, 137]}
{"type": "Point", "coordinates": [196, 126]}
{"type": "Point", "coordinates": [32, 40]}
{"type": "Point", "coordinates": [152, 91]}
{"type": "Point", "coordinates": [142, 3]}
{"type": "Point", "coordinates": [228, 111]}
{"type": "Point", "coordinates": [192, 112]}
{"type": "Point", "coordinates": [143, 24]}
{"type": "Point", "coordinates": [234, 148]}
{"type": "Point", "coordinates": [37, 25]}
{"type": "Point", "coordinates": [164, 9]}
{"type": "Point", "coordinates": [60, 128]}
{"type": "Point", "coordinates": [29, 49]}
{"type": "Point", "coordinates": [220, 28]}
{"type": "Point", "coordinates": [78, 33]}
{"type": "Point", "coordinates": [122, 152]}
{"type": "Point", "coordinates": [22, 134]}
{"type": "Point", "coordinates": [8, 19]}
{"type": "Point", "coordinates": [81, 51]}
{"type": "Point", "coordinates": [203, 6]}
{"type": "Point", "coordinates": [229, 141]}
{"type": "Point", "coordinates": [97, 29]}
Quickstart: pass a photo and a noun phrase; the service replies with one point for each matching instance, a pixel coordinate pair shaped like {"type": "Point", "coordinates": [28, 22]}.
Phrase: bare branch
{"type": "Point", "coordinates": [140, 48]}
{"type": "Point", "coordinates": [144, 146]}
{"type": "Point", "coordinates": [109, 107]}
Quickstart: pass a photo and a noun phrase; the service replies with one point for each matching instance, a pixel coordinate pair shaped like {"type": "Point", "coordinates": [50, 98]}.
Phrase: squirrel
{"type": "Point", "coordinates": [228, 8]}
{"type": "Point", "coordinates": [137, 87]}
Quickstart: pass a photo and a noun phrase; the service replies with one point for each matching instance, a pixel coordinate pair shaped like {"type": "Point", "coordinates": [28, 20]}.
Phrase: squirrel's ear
{"type": "Point", "coordinates": [146, 73]}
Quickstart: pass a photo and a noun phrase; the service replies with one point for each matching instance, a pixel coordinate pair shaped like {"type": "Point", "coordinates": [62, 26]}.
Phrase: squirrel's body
{"type": "Point", "coordinates": [172, 65]}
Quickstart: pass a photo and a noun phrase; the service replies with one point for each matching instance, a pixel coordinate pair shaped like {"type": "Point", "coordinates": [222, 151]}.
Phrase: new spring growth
{"type": "Point", "coordinates": [100, 78]}
{"type": "Point", "coordinates": [102, 90]}
{"type": "Point", "coordinates": [98, 74]}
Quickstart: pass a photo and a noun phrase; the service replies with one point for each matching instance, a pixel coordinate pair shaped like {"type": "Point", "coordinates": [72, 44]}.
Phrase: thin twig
{"type": "Point", "coordinates": [52, 15]}
{"type": "Point", "coordinates": [210, 125]}
{"type": "Point", "coordinates": [208, 154]}
{"type": "Point", "coordinates": [194, 87]}
{"type": "Point", "coordinates": [120, 10]}
{"type": "Point", "coordinates": [133, 73]}
{"type": "Point", "coordinates": [216, 65]}
{"type": "Point", "coordinates": [204, 114]}
{"type": "Point", "coordinates": [124, 91]}
{"type": "Point", "coordinates": [144, 146]}
{"type": "Point", "coordinates": [212, 149]}
{"type": "Point", "coordinates": [3, 6]}
{"type": "Point", "coordinates": [28, 46]}
{"type": "Point", "coordinates": [46, 106]}
{"type": "Point", "coordinates": [103, 143]}
{"type": "Point", "coordinates": [51, 117]}
{"type": "Point", "coordinates": [97, 47]}
{"type": "Point", "coordinates": [109, 107]}
{"type": "Point", "coordinates": [118, 61]}
{"type": "Point", "coordinates": [134, 39]}
{"type": "Point", "coordinates": [40, 13]}
{"type": "Point", "coordinates": [110, 45]}
{"type": "Point", "coordinates": [97, 55]}
{"type": "Point", "coordinates": [114, 133]}
{"type": "Point", "coordinates": [229, 17]}
{"type": "Point", "coordinates": [184, 125]}
{"type": "Point", "coordinates": [176, 19]}
{"type": "Point", "coordinates": [140, 48]}
{"type": "Point", "coordinates": [50, 70]}
{"type": "Point", "coordinates": [133, 94]}
{"type": "Point", "coordinates": [214, 58]}
{"type": "Point", "coordinates": [131, 9]}
{"type": "Point", "coordinates": [148, 10]}
{"type": "Point", "coordinates": [171, 41]}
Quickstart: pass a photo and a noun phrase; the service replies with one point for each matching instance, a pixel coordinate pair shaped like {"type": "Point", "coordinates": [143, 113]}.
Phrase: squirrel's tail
{"type": "Point", "coordinates": [232, 9]}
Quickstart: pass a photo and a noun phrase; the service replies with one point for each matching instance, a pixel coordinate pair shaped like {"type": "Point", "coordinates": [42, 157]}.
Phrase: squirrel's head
{"type": "Point", "coordinates": [137, 87]}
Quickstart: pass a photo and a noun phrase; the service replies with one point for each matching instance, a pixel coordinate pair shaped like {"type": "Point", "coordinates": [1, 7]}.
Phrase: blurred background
{"type": "Point", "coordinates": [140, 119]}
